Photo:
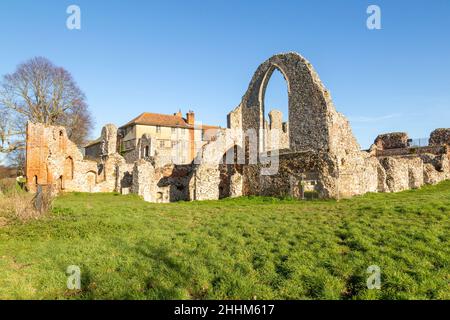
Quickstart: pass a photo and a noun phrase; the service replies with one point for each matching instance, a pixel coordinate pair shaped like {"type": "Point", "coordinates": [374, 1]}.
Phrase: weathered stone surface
{"type": "Point", "coordinates": [313, 122]}
{"type": "Point", "coordinates": [109, 140]}
{"type": "Point", "coordinates": [143, 180]}
{"type": "Point", "coordinates": [394, 140]}
{"type": "Point", "coordinates": [314, 154]}
{"type": "Point", "coordinates": [52, 159]}
{"type": "Point", "coordinates": [397, 174]}
{"type": "Point", "coordinates": [403, 173]}
{"type": "Point", "coordinates": [440, 137]}
{"type": "Point", "coordinates": [124, 177]}
{"type": "Point", "coordinates": [207, 181]}
{"type": "Point", "coordinates": [431, 176]}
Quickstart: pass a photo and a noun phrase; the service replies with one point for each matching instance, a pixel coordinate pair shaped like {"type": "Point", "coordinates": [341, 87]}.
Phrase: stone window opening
{"type": "Point", "coordinates": [147, 151]}
{"type": "Point", "coordinates": [61, 140]}
{"type": "Point", "coordinates": [274, 97]}
{"type": "Point", "coordinates": [158, 129]}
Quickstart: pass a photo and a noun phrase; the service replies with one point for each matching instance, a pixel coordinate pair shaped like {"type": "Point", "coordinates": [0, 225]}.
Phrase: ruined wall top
{"type": "Point", "coordinates": [314, 123]}
{"type": "Point", "coordinates": [439, 137]}
{"type": "Point", "coordinates": [276, 119]}
{"type": "Point", "coordinates": [393, 140]}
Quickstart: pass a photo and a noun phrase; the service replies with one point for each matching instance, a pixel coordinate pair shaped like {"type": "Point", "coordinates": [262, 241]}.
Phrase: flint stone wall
{"type": "Point", "coordinates": [321, 145]}
{"type": "Point", "coordinates": [52, 159]}
{"type": "Point", "coordinates": [394, 140]}
{"type": "Point", "coordinates": [438, 149]}
{"type": "Point", "coordinates": [402, 173]}
{"type": "Point", "coordinates": [440, 137]}
{"type": "Point", "coordinates": [143, 180]}
{"type": "Point", "coordinates": [317, 153]}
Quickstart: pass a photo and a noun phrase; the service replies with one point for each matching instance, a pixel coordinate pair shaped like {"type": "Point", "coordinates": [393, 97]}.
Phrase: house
{"type": "Point", "coordinates": [168, 136]}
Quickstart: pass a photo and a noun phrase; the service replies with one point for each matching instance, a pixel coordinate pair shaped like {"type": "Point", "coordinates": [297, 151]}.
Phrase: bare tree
{"type": "Point", "coordinates": [39, 91]}
{"type": "Point", "coordinates": [11, 132]}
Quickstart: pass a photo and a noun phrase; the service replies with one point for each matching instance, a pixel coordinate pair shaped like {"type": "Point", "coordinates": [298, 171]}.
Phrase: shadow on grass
{"type": "Point", "coordinates": [168, 266]}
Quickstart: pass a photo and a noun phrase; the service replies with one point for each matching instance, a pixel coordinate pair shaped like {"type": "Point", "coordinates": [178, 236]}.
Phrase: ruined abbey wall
{"type": "Point", "coordinates": [54, 160]}
{"type": "Point", "coordinates": [321, 154]}
{"type": "Point", "coordinates": [313, 155]}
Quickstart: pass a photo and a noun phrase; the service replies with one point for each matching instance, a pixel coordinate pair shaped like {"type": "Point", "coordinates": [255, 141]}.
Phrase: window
{"type": "Point", "coordinates": [174, 144]}
{"type": "Point", "coordinates": [61, 141]}
{"type": "Point", "coordinates": [161, 143]}
{"type": "Point", "coordinates": [277, 119]}
{"type": "Point", "coordinates": [128, 145]}
{"type": "Point", "coordinates": [158, 129]}
{"type": "Point", "coordinates": [174, 130]}
{"type": "Point", "coordinates": [147, 151]}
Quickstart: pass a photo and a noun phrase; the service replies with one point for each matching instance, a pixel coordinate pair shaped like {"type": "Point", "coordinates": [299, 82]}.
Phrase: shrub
{"type": "Point", "coordinates": [8, 186]}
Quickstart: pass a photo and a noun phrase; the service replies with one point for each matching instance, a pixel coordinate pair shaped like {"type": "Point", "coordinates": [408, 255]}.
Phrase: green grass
{"type": "Point", "coordinates": [245, 248]}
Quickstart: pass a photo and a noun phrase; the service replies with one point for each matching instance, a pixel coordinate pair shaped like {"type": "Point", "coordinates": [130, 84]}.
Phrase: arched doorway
{"type": "Point", "coordinates": [314, 124]}
{"type": "Point", "coordinates": [61, 141]}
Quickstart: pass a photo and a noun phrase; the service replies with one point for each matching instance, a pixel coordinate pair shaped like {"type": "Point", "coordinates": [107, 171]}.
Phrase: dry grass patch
{"type": "Point", "coordinates": [16, 204]}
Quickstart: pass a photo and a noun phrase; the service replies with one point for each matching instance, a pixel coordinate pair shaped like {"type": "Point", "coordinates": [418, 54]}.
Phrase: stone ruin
{"type": "Point", "coordinates": [314, 154]}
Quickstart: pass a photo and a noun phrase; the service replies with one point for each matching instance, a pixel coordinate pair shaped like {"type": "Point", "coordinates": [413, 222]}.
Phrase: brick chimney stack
{"type": "Point", "coordinates": [190, 117]}
{"type": "Point", "coordinates": [178, 114]}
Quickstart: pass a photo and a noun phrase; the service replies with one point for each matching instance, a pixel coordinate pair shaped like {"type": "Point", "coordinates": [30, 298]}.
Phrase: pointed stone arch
{"type": "Point", "coordinates": [314, 124]}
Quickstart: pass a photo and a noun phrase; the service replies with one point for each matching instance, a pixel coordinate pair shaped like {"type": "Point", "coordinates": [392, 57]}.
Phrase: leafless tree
{"type": "Point", "coordinates": [39, 91]}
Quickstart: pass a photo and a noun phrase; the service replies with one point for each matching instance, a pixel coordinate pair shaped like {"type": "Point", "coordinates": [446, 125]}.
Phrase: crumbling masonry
{"type": "Point", "coordinates": [314, 154]}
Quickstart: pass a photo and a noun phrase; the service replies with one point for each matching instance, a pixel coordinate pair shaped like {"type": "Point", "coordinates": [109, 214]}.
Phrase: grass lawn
{"type": "Point", "coordinates": [245, 248]}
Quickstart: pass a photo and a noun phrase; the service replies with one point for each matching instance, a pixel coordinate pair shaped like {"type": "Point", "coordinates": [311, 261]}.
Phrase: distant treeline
{"type": "Point", "coordinates": [7, 172]}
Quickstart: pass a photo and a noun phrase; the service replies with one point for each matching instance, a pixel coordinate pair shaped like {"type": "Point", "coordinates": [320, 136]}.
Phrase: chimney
{"type": "Point", "coordinates": [178, 114]}
{"type": "Point", "coordinates": [190, 117]}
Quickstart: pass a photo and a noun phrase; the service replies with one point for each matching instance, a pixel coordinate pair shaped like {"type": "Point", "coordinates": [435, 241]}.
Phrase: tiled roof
{"type": "Point", "coordinates": [157, 119]}
{"type": "Point", "coordinates": [164, 120]}
{"type": "Point", "coordinates": [93, 142]}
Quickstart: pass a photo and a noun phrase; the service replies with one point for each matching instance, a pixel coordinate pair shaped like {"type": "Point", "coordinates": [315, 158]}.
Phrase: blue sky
{"type": "Point", "coordinates": [161, 56]}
